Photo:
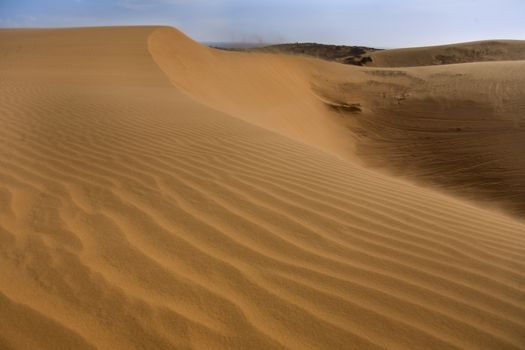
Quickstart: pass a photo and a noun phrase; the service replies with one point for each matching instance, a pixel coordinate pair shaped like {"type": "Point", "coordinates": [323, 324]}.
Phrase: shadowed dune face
{"type": "Point", "coordinates": [133, 216]}
{"type": "Point", "coordinates": [479, 51]}
{"type": "Point", "coordinates": [461, 127]}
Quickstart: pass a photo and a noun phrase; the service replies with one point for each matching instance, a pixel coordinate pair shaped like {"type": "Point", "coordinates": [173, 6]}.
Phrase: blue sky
{"type": "Point", "coordinates": [380, 23]}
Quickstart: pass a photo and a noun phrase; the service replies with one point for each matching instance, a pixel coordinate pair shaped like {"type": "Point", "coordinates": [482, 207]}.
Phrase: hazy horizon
{"type": "Point", "coordinates": [378, 23]}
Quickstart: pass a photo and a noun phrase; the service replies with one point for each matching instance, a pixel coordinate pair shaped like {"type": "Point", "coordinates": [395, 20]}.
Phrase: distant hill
{"type": "Point", "coordinates": [356, 55]}
{"type": "Point", "coordinates": [477, 51]}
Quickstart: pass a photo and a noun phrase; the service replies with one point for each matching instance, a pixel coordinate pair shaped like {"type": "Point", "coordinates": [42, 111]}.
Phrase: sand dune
{"type": "Point", "coordinates": [476, 51]}
{"type": "Point", "coordinates": [141, 207]}
{"type": "Point", "coordinates": [460, 128]}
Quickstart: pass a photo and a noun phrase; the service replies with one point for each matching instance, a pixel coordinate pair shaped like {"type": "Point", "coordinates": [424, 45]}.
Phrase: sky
{"type": "Point", "coordinates": [377, 23]}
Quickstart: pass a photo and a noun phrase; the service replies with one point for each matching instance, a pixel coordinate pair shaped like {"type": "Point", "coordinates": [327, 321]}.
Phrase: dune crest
{"type": "Point", "coordinates": [135, 215]}
{"type": "Point", "coordinates": [271, 91]}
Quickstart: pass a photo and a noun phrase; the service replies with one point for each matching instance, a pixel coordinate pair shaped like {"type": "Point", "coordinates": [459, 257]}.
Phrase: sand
{"type": "Point", "coordinates": [156, 194]}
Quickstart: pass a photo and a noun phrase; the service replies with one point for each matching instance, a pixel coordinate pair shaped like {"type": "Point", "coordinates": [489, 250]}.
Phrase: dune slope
{"type": "Point", "coordinates": [459, 128]}
{"type": "Point", "coordinates": [134, 216]}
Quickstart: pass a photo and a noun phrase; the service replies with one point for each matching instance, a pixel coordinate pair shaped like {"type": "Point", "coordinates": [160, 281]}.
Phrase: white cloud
{"type": "Point", "coordinates": [138, 5]}
{"type": "Point", "coordinates": [18, 21]}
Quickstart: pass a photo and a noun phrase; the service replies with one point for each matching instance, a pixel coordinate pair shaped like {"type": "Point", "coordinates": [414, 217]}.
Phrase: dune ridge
{"type": "Point", "coordinates": [134, 215]}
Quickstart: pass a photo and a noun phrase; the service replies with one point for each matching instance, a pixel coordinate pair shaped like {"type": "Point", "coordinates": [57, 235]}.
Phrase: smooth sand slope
{"type": "Point", "coordinates": [140, 211]}
{"type": "Point", "coordinates": [267, 90]}
{"type": "Point", "coordinates": [476, 51]}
